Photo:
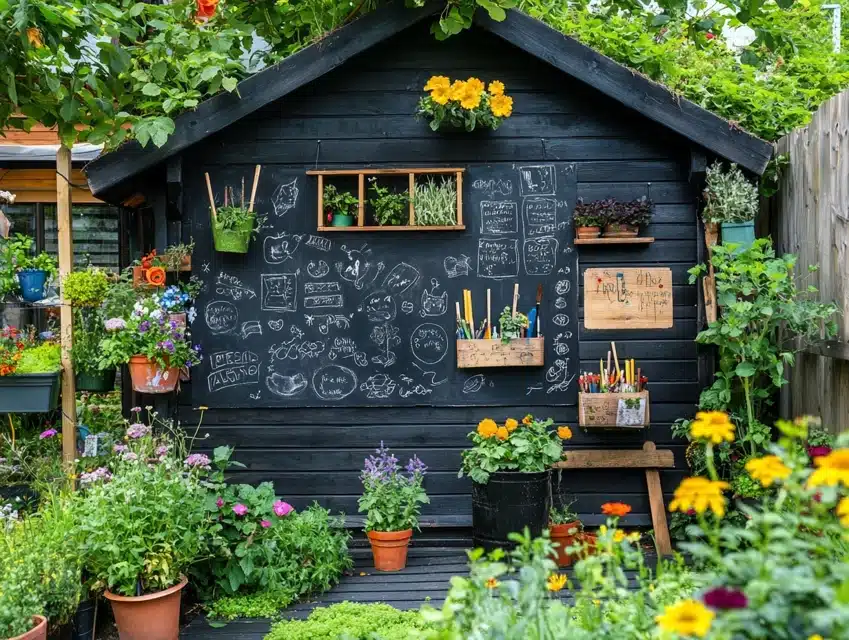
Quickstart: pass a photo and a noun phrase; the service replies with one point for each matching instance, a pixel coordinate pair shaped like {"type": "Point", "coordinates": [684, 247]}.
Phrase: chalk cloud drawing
{"type": "Point", "coordinates": [323, 295]}
{"type": "Point", "coordinates": [251, 328]}
{"type": "Point", "coordinates": [378, 387]}
{"type": "Point", "coordinates": [537, 180]}
{"type": "Point", "coordinates": [280, 247]}
{"type": "Point", "coordinates": [285, 197]}
{"type": "Point", "coordinates": [563, 287]}
{"type": "Point", "coordinates": [286, 385]}
{"type": "Point", "coordinates": [456, 267]}
{"type": "Point", "coordinates": [493, 187]}
{"type": "Point", "coordinates": [429, 343]}
{"type": "Point", "coordinates": [475, 383]}
{"type": "Point", "coordinates": [561, 319]}
{"type": "Point", "coordinates": [379, 307]}
{"type": "Point", "coordinates": [275, 325]}
{"type": "Point", "coordinates": [318, 269]}
{"type": "Point", "coordinates": [402, 277]}
{"type": "Point", "coordinates": [317, 242]}
{"type": "Point", "coordinates": [325, 321]}
{"type": "Point", "coordinates": [498, 258]}
{"type": "Point", "coordinates": [540, 256]}
{"type": "Point", "coordinates": [558, 376]}
{"type": "Point", "coordinates": [334, 382]}
{"type": "Point", "coordinates": [407, 307]}
{"type": "Point", "coordinates": [385, 337]}
{"type": "Point", "coordinates": [221, 316]}
{"type": "Point", "coordinates": [279, 291]}
{"type": "Point", "coordinates": [359, 268]}
{"type": "Point", "coordinates": [433, 303]}
{"type": "Point", "coordinates": [410, 387]}
{"type": "Point", "coordinates": [233, 288]}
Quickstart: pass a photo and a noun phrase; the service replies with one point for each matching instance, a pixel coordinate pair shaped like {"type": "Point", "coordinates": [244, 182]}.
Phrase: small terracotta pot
{"type": "Point", "coordinates": [155, 616]}
{"type": "Point", "coordinates": [588, 232]}
{"type": "Point", "coordinates": [565, 535]}
{"type": "Point", "coordinates": [389, 549]}
{"type": "Point", "coordinates": [148, 377]}
{"type": "Point", "coordinates": [621, 231]}
{"type": "Point", "coordinates": [138, 277]}
{"type": "Point", "coordinates": [38, 632]}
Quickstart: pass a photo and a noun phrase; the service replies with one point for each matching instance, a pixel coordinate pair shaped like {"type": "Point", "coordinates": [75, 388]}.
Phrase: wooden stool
{"type": "Point", "coordinates": [649, 458]}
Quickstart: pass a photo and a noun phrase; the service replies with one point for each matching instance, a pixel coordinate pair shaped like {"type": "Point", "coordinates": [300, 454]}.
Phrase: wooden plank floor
{"type": "Point", "coordinates": [425, 580]}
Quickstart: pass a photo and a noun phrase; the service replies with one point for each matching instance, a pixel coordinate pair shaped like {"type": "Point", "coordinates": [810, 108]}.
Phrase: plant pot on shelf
{"type": "Point", "coordinates": [155, 616]}
{"type": "Point", "coordinates": [38, 632]}
{"type": "Point", "coordinates": [236, 240]}
{"type": "Point", "coordinates": [33, 283]}
{"type": "Point", "coordinates": [742, 233]}
{"type": "Point", "coordinates": [389, 549]}
{"type": "Point", "coordinates": [342, 220]}
{"type": "Point", "coordinates": [96, 381]}
{"type": "Point", "coordinates": [565, 535]}
{"type": "Point", "coordinates": [30, 393]}
{"type": "Point", "coordinates": [507, 503]}
{"type": "Point", "coordinates": [616, 230]}
{"type": "Point", "coordinates": [149, 377]}
{"type": "Point", "coordinates": [588, 232]}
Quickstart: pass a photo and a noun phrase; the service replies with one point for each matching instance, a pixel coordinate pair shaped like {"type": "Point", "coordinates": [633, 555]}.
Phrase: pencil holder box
{"type": "Point", "coordinates": [628, 410]}
{"type": "Point", "coordinates": [519, 352]}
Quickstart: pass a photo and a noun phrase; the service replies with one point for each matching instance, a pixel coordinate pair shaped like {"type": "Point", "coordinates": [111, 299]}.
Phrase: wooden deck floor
{"type": "Point", "coordinates": [426, 579]}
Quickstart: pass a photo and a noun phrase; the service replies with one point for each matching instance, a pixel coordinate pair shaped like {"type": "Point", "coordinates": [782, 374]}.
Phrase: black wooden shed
{"type": "Point", "coordinates": [340, 318]}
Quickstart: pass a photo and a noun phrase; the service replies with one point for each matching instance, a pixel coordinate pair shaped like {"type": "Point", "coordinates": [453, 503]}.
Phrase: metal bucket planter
{"type": "Point", "coordinates": [342, 220]}
{"type": "Point", "coordinates": [236, 240]}
{"type": "Point", "coordinates": [30, 393]}
{"type": "Point", "coordinates": [95, 381]}
{"type": "Point", "coordinates": [33, 283]}
{"type": "Point", "coordinates": [507, 503]}
{"type": "Point", "coordinates": [149, 377]}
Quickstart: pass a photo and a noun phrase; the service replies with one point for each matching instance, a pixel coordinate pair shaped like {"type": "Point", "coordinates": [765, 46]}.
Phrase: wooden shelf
{"type": "Point", "coordinates": [636, 240]}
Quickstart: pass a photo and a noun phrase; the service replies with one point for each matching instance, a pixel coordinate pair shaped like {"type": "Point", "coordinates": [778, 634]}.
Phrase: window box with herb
{"type": "Point", "coordinates": [435, 202]}
{"type": "Point", "coordinates": [624, 219]}
{"type": "Point", "coordinates": [30, 372]}
{"type": "Point", "coordinates": [339, 207]}
{"type": "Point", "coordinates": [389, 208]}
{"type": "Point", "coordinates": [732, 202]}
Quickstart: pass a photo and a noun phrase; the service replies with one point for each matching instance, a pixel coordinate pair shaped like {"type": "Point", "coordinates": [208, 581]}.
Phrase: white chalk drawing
{"type": "Point", "coordinates": [275, 325]}
{"type": "Point", "coordinates": [540, 216]}
{"type": "Point", "coordinates": [233, 288]}
{"type": "Point", "coordinates": [317, 242]}
{"type": "Point", "coordinates": [280, 247]}
{"type": "Point", "coordinates": [256, 396]}
{"type": "Point", "coordinates": [205, 267]}
{"type": "Point", "coordinates": [493, 187]}
{"type": "Point", "coordinates": [410, 387]}
{"type": "Point", "coordinates": [433, 303]}
{"type": "Point", "coordinates": [560, 346]}
{"type": "Point", "coordinates": [296, 348]}
{"type": "Point", "coordinates": [561, 319]}
{"type": "Point", "coordinates": [325, 321]}
{"type": "Point", "coordinates": [318, 269]}
{"type": "Point", "coordinates": [379, 307]}
{"type": "Point", "coordinates": [498, 258]}
{"type": "Point", "coordinates": [540, 256]}
{"type": "Point", "coordinates": [475, 383]}
{"type": "Point", "coordinates": [560, 302]}
{"type": "Point", "coordinates": [385, 337]}
{"type": "Point", "coordinates": [537, 180]}
{"type": "Point", "coordinates": [285, 197]}
{"type": "Point", "coordinates": [279, 291]}
{"type": "Point", "coordinates": [296, 331]}
{"type": "Point", "coordinates": [311, 349]}
{"type": "Point", "coordinates": [287, 386]}
{"type": "Point", "coordinates": [499, 217]}
{"type": "Point", "coordinates": [323, 295]}
{"type": "Point", "coordinates": [334, 382]}
{"type": "Point", "coordinates": [344, 347]}
{"type": "Point", "coordinates": [231, 369]}
{"type": "Point", "coordinates": [558, 376]}
{"type": "Point", "coordinates": [360, 268]}
{"type": "Point", "coordinates": [429, 343]}
{"type": "Point", "coordinates": [563, 286]}
{"type": "Point", "coordinates": [402, 277]}
{"type": "Point", "coordinates": [378, 387]}
{"type": "Point", "coordinates": [456, 267]}
{"type": "Point", "coordinates": [432, 374]}
{"type": "Point", "coordinates": [538, 386]}
{"type": "Point", "coordinates": [221, 316]}
{"type": "Point", "coordinates": [251, 328]}
{"type": "Point", "coordinates": [407, 307]}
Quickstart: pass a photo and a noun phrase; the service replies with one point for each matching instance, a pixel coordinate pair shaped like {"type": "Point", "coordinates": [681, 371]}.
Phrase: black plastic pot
{"type": "Point", "coordinates": [98, 382]}
{"type": "Point", "coordinates": [508, 503]}
{"type": "Point", "coordinates": [83, 623]}
{"type": "Point", "coordinates": [29, 393]}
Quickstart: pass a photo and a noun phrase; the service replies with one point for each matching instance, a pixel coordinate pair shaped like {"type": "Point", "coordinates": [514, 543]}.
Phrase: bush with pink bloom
{"type": "Point", "coordinates": [282, 509]}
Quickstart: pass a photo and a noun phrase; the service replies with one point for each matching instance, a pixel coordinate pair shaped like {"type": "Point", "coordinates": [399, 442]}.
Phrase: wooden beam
{"type": "Point", "coordinates": [831, 349]}
{"type": "Point", "coordinates": [658, 509]}
{"type": "Point", "coordinates": [66, 265]}
{"type": "Point", "coordinates": [617, 459]}
{"type": "Point", "coordinates": [383, 172]}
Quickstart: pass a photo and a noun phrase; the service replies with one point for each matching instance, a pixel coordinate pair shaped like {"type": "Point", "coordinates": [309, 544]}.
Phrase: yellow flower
{"type": "Point", "coordinates": [471, 99]}
{"type": "Point", "coordinates": [686, 618]}
{"type": "Point", "coordinates": [457, 90]}
{"type": "Point", "coordinates": [555, 582]}
{"type": "Point", "coordinates": [699, 494]}
{"type": "Point", "coordinates": [502, 106]}
{"type": "Point", "coordinates": [502, 433]}
{"type": "Point", "coordinates": [843, 511]}
{"type": "Point", "coordinates": [713, 426]}
{"type": "Point", "coordinates": [491, 583]}
{"type": "Point", "coordinates": [767, 470]}
{"type": "Point", "coordinates": [816, 636]}
{"type": "Point", "coordinates": [473, 84]}
{"type": "Point", "coordinates": [564, 433]}
{"type": "Point", "coordinates": [496, 88]}
{"type": "Point", "coordinates": [487, 428]}
{"type": "Point", "coordinates": [440, 95]}
{"type": "Point", "coordinates": [634, 536]}
{"type": "Point", "coordinates": [511, 424]}
{"type": "Point", "coordinates": [833, 469]}
{"type": "Point", "coordinates": [34, 37]}
{"type": "Point", "coordinates": [437, 82]}
{"type": "Point", "coordinates": [528, 419]}
{"type": "Point", "coordinates": [618, 535]}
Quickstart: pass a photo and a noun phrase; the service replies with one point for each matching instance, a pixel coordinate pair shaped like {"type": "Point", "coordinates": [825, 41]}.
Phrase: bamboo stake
{"type": "Point", "coordinates": [515, 298]}
{"type": "Point", "coordinates": [225, 196]}
{"type": "Point", "coordinates": [211, 197]}
{"type": "Point", "coordinates": [243, 192]}
{"type": "Point", "coordinates": [616, 360]}
{"type": "Point", "coordinates": [253, 188]}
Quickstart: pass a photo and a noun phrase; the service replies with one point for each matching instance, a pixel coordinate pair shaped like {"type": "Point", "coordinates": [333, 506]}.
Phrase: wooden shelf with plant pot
{"type": "Point", "coordinates": [358, 222]}
{"type": "Point", "coordinates": [519, 352]}
{"type": "Point", "coordinates": [602, 240]}
{"type": "Point", "coordinates": [602, 410]}
{"type": "Point", "coordinates": [611, 222]}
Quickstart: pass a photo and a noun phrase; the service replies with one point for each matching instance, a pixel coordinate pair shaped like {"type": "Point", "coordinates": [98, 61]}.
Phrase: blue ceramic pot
{"type": "Point", "coordinates": [32, 282]}
{"type": "Point", "coordinates": [742, 233]}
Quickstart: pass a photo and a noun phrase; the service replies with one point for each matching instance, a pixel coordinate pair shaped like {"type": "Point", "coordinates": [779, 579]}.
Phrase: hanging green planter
{"type": "Point", "coordinates": [233, 240]}
{"type": "Point", "coordinates": [233, 225]}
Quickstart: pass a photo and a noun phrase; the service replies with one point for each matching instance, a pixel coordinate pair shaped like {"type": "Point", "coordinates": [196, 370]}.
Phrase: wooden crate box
{"type": "Point", "coordinates": [612, 410]}
{"type": "Point", "coordinates": [519, 352]}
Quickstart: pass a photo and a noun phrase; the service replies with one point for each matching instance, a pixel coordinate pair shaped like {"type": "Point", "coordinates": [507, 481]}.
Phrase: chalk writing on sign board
{"type": "Point", "coordinates": [279, 291]}
{"type": "Point", "coordinates": [221, 316]}
{"type": "Point", "coordinates": [540, 256]}
{"type": "Point", "coordinates": [540, 216]}
{"type": "Point", "coordinates": [498, 258]}
{"type": "Point", "coordinates": [499, 217]}
{"type": "Point", "coordinates": [628, 298]}
{"type": "Point", "coordinates": [232, 368]}
{"type": "Point", "coordinates": [538, 180]}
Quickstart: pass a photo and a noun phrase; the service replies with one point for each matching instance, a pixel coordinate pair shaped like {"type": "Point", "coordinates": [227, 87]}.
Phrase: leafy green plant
{"type": "Point", "coordinates": [511, 326]}
{"type": "Point", "coordinates": [592, 214]}
{"type": "Point", "coordinates": [435, 203]}
{"type": "Point", "coordinates": [389, 208]}
{"type": "Point", "coordinates": [335, 202]}
{"type": "Point", "coordinates": [232, 218]}
{"type": "Point", "coordinates": [178, 255]}
{"type": "Point", "coordinates": [564, 514]}
{"type": "Point", "coordinates": [13, 253]}
{"type": "Point", "coordinates": [729, 197]}
{"type": "Point", "coordinates": [42, 358]}
{"type": "Point", "coordinates": [351, 621]}
{"type": "Point", "coordinates": [87, 288]}
{"type": "Point", "coordinates": [391, 498]}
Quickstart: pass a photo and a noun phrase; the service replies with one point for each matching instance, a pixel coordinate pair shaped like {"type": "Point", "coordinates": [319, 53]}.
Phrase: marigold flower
{"type": "Point", "coordinates": [617, 509]}
{"type": "Point", "coordinates": [491, 583]}
{"type": "Point", "coordinates": [502, 106]}
{"type": "Point", "coordinates": [699, 494]}
{"type": "Point", "coordinates": [457, 90]}
{"type": "Point", "coordinates": [528, 419]}
{"type": "Point", "coordinates": [634, 536]}
{"type": "Point", "coordinates": [502, 433]}
{"type": "Point", "coordinates": [474, 84]}
{"type": "Point", "coordinates": [618, 535]}
{"type": "Point", "coordinates": [725, 598]}
{"type": "Point", "coordinates": [471, 99]}
{"type": "Point", "coordinates": [34, 37]}
{"type": "Point", "coordinates": [686, 618]}
{"type": "Point", "coordinates": [564, 433]}
{"type": "Point", "coordinates": [843, 511]}
{"type": "Point", "coordinates": [487, 428]}
{"type": "Point", "coordinates": [496, 88]}
{"type": "Point", "coordinates": [206, 8]}
{"type": "Point", "coordinates": [555, 582]}
{"type": "Point", "coordinates": [511, 424]}
{"type": "Point", "coordinates": [832, 469]}
{"type": "Point", "coordinates": [713, 426]}
{"type": "Point", "coordinates": [155, 276]}
{"type": "Point", "coordinates": [437, 82]}
{"type": "Point", "coordinates": [440, 95]}
{"type": "Point", "coordinates": [767, 470]}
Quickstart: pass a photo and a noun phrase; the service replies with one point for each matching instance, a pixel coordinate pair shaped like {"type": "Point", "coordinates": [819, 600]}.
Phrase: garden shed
{"type": "Point", "coordinates": [322, 342]}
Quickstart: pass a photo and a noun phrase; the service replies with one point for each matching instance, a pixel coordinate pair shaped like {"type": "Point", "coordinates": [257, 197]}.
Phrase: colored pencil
{"type": "Point", "coordinates": [488, 334]}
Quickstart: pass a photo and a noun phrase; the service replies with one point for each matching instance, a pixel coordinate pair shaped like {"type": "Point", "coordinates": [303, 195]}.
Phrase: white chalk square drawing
{"type": "Point", "coordinates": [499, 217]}
{"type": "Point", "coordinates": [498, 258]}
{"type": "Point", "coordinates": [537, 180]}
{"type": "Point", "coordinates": [540, 256]}
{"type": "Point", "coordinates": [540, 216]}
{"type": "Point", "coordinates": [279, 291]}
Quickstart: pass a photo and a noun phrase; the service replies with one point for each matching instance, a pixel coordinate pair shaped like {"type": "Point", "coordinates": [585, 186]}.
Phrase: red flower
{"type": "Point", "coordinates": [206, 8]}
{"type": "Point", "coordinates": [710, 36]}
{"type": "Point", "coordinates": [691, 512]}
{"type": "Point", "coordinates": [816, 452]}
{"type": "Point", "coordinates": [725, 598]}
{"type": "Point", "coordinates": [618, 509]}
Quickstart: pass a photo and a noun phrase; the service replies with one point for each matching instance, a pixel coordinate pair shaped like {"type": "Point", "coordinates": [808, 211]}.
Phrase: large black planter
{"type": "Point", "coordinates": [29, 393]}
{"type": "Point", "coordinates": [508, 503]}
{"type": "Point", "coordinates": [97, 382]}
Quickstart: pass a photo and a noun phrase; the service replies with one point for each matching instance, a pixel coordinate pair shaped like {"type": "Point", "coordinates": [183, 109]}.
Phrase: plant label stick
{"type": "Point", "coordinates": [211, 197]}
{"type": "Point", "coordinates": [488, 334]}
{"type": "Point", "coordinates": [616, 360]}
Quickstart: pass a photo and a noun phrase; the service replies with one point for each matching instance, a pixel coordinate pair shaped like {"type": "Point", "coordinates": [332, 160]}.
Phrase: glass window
{"type": "Point", "coordinates": [95, 234]}
{"type": "Point", "coordinates": [22, 217]}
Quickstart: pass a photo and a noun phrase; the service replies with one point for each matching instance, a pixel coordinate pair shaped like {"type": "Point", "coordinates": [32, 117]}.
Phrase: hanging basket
{"type": "Point", "coordinates": [33, 283]}
{"type": "Point", "coordinates": [235, 240]}
{"type": "Point", "coordinates": [149, 377]}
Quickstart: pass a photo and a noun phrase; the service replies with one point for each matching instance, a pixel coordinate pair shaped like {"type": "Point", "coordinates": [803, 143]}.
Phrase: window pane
{"type": "Point", "coordinates": [22, 217]}
{"type": "Point", "coordinates": [95, 230]}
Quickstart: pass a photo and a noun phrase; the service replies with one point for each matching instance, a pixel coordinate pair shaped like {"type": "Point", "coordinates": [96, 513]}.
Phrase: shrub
{"type": "Point", "coordinates": [389, 208]}
{"type": "Point", "coordinates": [351, 621]}
{"type": "Point", "coordinates": [85, 288]}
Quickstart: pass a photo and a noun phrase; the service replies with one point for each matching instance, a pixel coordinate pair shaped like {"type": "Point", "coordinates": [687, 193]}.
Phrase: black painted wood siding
{"type": "Point", "coordinates": [362, 114]}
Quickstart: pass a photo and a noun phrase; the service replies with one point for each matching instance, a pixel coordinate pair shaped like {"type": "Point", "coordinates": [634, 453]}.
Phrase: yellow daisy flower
{"type": "Point", "coordinates": [502, 106]}
{"type": "Point", "coordinates": [767, 470]}
{"type": "Point", "coordinates": [471, 99]}
{"type": "Point", "coordinates": [487, 428]}
{"type": "Point", "coordinates": [440, 95]}
{"type": "Point", "coordinates": [686, 618]}
{"type": "Point", "coordinates": [528, 419]}
{"type": "Point", "coordinates": [564, 433]}
{"type": "Point", "coordinates": [713, 426]}
{"type": "Point", "coordinates": [491, 583]}
{"type": "Point", "coordinates": [634, 536]}
{"type": "Point", "coordinates": [437, 82]}
{"type": "Point", "coordinates": [511, 424]}
{"type": "Point", "coordinates": [496, 88]}
{"type": "Point", "coordinates": [502, 433]}
{"type": "Point", "coordinates": [457, 90]}
{"type": "Point", "coordinates": [843, 511]}
{"type": "Point", "coordinates": [832, 469]}
{"type": "Point", "coordinates": [34, 37]}
{"type": "Point", "coordinates": [699, 494]}
{"type": "Point", "coordinates": [555, 582]}
{"type": "Point", "coordinates": [475, 85]}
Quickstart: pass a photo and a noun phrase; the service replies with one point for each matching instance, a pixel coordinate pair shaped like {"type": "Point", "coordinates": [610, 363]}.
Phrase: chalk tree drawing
{"type": "Point", "coordinates": [280, 247]}
{"type": "Point", "coordinates": [285, 197]}
{"type": "Point", "coordinates": [286, 386]}
{"type": "Point", "coordinates": [498, 258]}
{"type": "Point", "coordinates": [279, 291]}
{"type": "Point", "coordinates": [323, 295]}
{"type": "Point", "coordinates": [402, 277]}
{"type": "Point", "coordinates": [433, 303]}
{"type": "Point", "coordinates": [334, 382]}
{"type": "Point", "coordinates": [378, 386]}
{"type": "Point", "coordinates": [233, 288]}
{"type": "Point", "coordinates": [385, 337]}
{"type": "Point", "coordinates": [429, 343]}
{"type": "Point", "coordinates": [456, 267]}
{"type": "Point", "coordinates": [379, 307]}
{"type": "Point", "coordinates": [537, 180]}
{"type": "Point", "coordinates": [221, 316]}
{"type": "Point", "coordinates": [318, 269]}
{"type": "Point", "coordinates": [359, 268]}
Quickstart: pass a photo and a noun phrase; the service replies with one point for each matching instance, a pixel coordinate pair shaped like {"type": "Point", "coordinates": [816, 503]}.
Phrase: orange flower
{"type": "Point", "coordinates": [206, 8]}
{"type": "Point", "coordinates": [618, 509]}
{"type": "Point", "coordinates": [34, 37]}
{"type": "Point", "coordinates": [502, 433]}
{"type": "Point", "coordinates": [564, 433]}
{"type": "Point", "coordinates": [528, 419]}
{"type": "Point", "coordinates": [491, 583]}
{"type": "Point", "coordinates": [487, 428]}
{"type": "Point", "coordinates": [155, 276]}
{"type": "Point", "coordinates": [511, 424]}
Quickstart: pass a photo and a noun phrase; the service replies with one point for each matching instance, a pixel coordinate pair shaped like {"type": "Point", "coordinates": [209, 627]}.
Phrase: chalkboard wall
{"type": "Point", "coordinates": [361, 319]}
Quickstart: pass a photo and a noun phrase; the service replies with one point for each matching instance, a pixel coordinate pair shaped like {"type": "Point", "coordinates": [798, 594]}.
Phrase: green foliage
{"type": "Point", "coordinates": [14, 252]}
{"type": "Point", "coordinates": [389, 208]}
{"type": "Point", "coordinates": [511, 326]}
{"type": "Point", "coordinates": [343, 203]}
{"type": "Point", "coordinates": [729, 197]}
{"type": "Point", "coordinates": [43, 358]}
{"type": "Point", "coordinates": [88, 332]}
{"type": "Point", "coordinates": [350, 621]}
{"type": "Point", "coordinates": [435, 204]}
{"type": "Point", "coordinates": [392, 498]}
{"type": "Point", "coordinates": [86, 288]}
{"type": "Point", "coordinates": [232, 218]}
{"type": "Point", "coordinates": [564, 514]}
{"type": "Point", "coordinates": [457, 15]}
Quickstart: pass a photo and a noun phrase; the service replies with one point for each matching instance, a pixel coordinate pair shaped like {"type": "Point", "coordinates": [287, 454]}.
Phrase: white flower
{"type": "Point", "coordinates": [156, 313]}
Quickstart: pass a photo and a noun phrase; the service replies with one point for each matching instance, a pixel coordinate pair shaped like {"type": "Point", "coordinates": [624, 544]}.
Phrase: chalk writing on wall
{"type": "Point", "coordinates": [628, 298]}
{"type": "Point", "coordinates": [221, 316]}
{"type": "Point", "coordinates": [279, 291]}
{"type": "Point", "coordinates": [499, 217]}
{"type": "Point", "coordinates": [232, 368]}
{"type": "Point", "coordinates": [498, 258]}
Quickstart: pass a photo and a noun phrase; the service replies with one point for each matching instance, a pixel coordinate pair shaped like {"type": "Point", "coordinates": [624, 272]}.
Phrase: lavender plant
{"type": "Point", "coordinates": [392, 496]}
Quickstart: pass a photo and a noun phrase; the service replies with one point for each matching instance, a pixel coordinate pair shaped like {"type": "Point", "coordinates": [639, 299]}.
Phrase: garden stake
{"type": "Point", "coordinates": [253, 188]}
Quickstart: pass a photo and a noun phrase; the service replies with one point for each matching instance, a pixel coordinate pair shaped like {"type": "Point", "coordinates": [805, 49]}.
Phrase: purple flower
{"type": "Point", "coordinates": [119, 448]}
{"type": "Point", "coordinates": [169, 346]}
{"type": "Point", "coordinates": [46, 335]}
{"type": "Point", "coordinates": [129, 456]}
{"type": "Point", "coordinates": [115, 324]}
{"type": "Point", "coordinates": [136, 409]}
{"type": "Point", "coordinates": [380, 468]}
{"type": "Point", "coordinates": [144, 326]}
{"type": "Point", "coordinates": [219, 503]}
{"type": "Point", "coordinates": [240, 509]}
{"type": "Point", "coordinates": [197, 460]}
{"type": "Point", "coordinates": [162, 450]}
{"type": "Point", "coordinates": [101, 473]}
{"type": "Point", "coordinates": [816, 452]}
{"type": "Point", "coordinates": [415, 467]}
{"type": "Point", "coordinates": [137, 430]}
{"type": "Point", "coordinates": [282, 509]}
{"type": "Point", "coordinates": [265, 523]}
{"type": "Point", "coordinates": [47, 433]}
{"type": "Point", "coordinates": [725, 598]}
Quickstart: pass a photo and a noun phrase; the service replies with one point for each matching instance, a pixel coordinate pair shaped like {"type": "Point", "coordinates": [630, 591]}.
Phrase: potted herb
{"type": "Point", "coordinates": [732, 202]}
{"type": "Point", "coordinates": [564, 526]}
{"type": "Point", "coordinates": [511, 324]}
{"type": "Point", "coordinates": [389, 208]}
{"type": "Point", "coordinates": [391, 500]}
{"type": "Point", "coordinates": [435, 203]}
{"type": "Point", "coordinates": [625, 218]}
{"type": "Point", "coordinates": [589, 217]}
{"type": "Point", "coordinates": [149, 271]}
{"type": "Point", "coordinates": [233, 225]}
{"type": "Point", "coordinates": [509, 466]}
{"type": "Point", "coordinates": [178, 257]}
{"type": "Point", "coordinates": [464, 105]}
{"type": "Point", "coordinates": [339, 207]}
{"type": "Point", "coordinates": [30, 373]}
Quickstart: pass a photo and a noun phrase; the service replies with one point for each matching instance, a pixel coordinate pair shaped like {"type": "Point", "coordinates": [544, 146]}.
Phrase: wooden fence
{"type": "Point", "coordinates": [810, 217]}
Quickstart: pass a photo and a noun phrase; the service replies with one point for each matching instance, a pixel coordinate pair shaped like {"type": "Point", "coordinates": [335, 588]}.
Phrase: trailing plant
{"type": "Point", "coordinates": [729, 197]}
{"type": "Point", "coordinates": [592, 214]}
{"type": "Point", "coordinates": [435, 204]}
{"type": "Point", "coordinates": [463, 104]}
{"type": "Point", "coordinates": [351, 621]}
{"type": "Point", "coordinates": [511, 325]}
{"type": "Point", "coordinates": [87, 288]}
{"type": "Point", "coordinates": [336, 202]}
{"type": "Point", "coordinates": [392, 497]}
{"type": "Point", "coordinates": [389, 208]}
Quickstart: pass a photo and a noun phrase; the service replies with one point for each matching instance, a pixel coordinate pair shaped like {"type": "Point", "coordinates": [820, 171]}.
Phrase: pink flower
{"type": "Point", "coordinates": [816, 452]}
{"type": "Point", "coordinates": [282, 508]}
{"type": "Point", "coordinates": [725, 598]}
{"type": "Point", "coordinates": [49, 433]}
{"type": "Point", "coordinates": [219, 503]}
{"type": "Point", "coordinates": [240, 509]}
{"type": "Point", "coordinates": [265, 524]}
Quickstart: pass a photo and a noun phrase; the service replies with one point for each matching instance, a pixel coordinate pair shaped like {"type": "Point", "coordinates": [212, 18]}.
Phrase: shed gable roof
{"type": "Point", "coordinates": [528, 34]}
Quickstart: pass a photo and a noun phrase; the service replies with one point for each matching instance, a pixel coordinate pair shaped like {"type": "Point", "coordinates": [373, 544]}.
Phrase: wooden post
{"type": "Point", "coordinates": [459, 198]}
{"type": "Point", "coordinates": [412, 203]}
{"type": "Point", "coordinates": [361, 205]}
{"type": "Point", "coordinates": [66, 265]}
{"type": "Point", "coordinates": [658, 509]}
{"type": "Point", "coordinates": [321, 222]}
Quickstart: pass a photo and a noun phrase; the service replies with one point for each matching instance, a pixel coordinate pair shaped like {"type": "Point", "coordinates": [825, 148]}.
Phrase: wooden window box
{"type": "Point", "coordinates": [361, 196]}
{"type": "Point", "coordinates": [602, 410]}
{"type": "Point", "coordinates": [519, 352]}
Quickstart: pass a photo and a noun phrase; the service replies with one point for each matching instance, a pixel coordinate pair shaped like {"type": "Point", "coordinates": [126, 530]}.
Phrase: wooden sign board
{"type": "Point", "coordinates": [628, 298]}
{"type": "Point", "coordinates": [519, 352]}
{"type": "Point", "coordinates": [613, 409]}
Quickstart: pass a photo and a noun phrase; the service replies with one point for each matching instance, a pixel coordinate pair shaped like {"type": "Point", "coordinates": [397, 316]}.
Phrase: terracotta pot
{"type": "Point", "coordinates": [155, 616]}
{"type": "Point", "coordinates": [590, 540]}
{"type": "Point", "coordinates": [389, 549]}
{"type": "Point", "coordinates": [138, 277]}
{"type": "Point", "coordinates": [565, 535]}
{"type": "Point", "coordinates": [588, 232]}
{"type": "Point", "coordinates": [621, 231]}
{"type": "Point", "coordinates": [148, 377]}
{"type": "Point", "coordinates": [38, 632]}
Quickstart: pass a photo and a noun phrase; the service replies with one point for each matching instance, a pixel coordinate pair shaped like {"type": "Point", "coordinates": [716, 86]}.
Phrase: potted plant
{"type": "Point", "coordinates": [21, 273]}
{"type": "Point", "coordinates": [34, 271]}
{"type": "Point", "coordinates": [464, 105]}
{"type": "Point", "coordinates": [732, 202]}
{"type": "Point", "coordinates": [624, 219]}
{"type": "Point", "coordinates": [391, 500]}
{"type": "Point", "coordinates": [564, 526]}
{"type": "Point", "coordinates": [511, 325]}
{"type": "Point", "coordinates": [589, 217]}
{"type": "Point", "coordinates": [86, 290]}
{"type": "Point", "coordinates": [177, 300]}
{"type": "Point", "coordinates": [233, 225]}
{"type": "Point", "coordinates": [509, 466]}
{"type": "Point", "coordinates": [435, 203]}
{"type": "Point", "coordinates": [389, 208]}
{"type": "Point", "coordinates": [178, 257]}
{"type": "Point", "coordinates": [339, 207]}
{"type": "Point", "coordinates": [30, 372]}
{"type": "Point", "coordinates": [149, 271]}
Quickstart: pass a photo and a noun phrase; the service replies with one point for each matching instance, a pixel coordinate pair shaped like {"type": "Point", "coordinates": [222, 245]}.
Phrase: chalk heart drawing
{"type": "Point", "coordinates": [360, 268]}
{"type": "Point", "coordinates": [379, 307]}
{"type": "Point", "coordinates": [275, 325]}
{"type": "Point", "coordinates": [563, 287]}
{"type": "Point", "coordinates": [434, 304]}
{"type": "Point", "coordinates": [285, 197]}
{"type": "Point", "coordinates": [285, 385]}
{"type": "Point", "coordinates": [379, 386]}
{"type": "Point", "coordinates": [318, 269]}
{"type": "Point", "coordinates": [280, 247]}
{"type": "Point", "coordinates": [334, 382]}
{"type": "Point", "coordinates": [407, 307]}
{"type": "Point", "coordinates": [221, 316]}
{"type": "Point", "coordinates": [561, 319]}
{"type": "Point", "coordinates": [402, 277]}
{"type": "Point", "coordinates": [429, 343]}
{"type": "Point", "coordinates": [456, 267]}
